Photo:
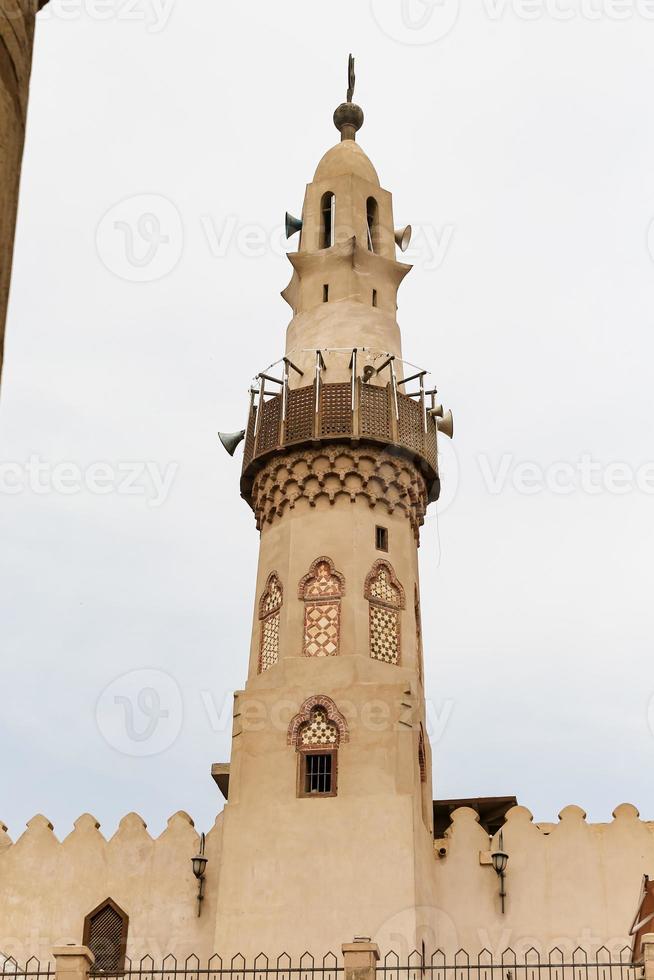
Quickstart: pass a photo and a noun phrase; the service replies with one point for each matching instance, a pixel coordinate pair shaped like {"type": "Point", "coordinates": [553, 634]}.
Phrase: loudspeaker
{"type": "Point", "coordinates": [231, 440]}
{"type": "Point", "coordinates": [446, 425]}
{"type": "Point", "coordinates": [403, 237]}
{"type": "Point", "coordinates": [293, 225]}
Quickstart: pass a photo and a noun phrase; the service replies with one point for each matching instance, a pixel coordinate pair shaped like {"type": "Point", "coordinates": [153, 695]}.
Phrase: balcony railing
{"type": "Point", "coordinates": [358, 410]}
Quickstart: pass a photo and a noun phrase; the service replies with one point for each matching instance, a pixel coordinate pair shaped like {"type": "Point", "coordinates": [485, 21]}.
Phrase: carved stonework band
{"type": "Point", "coordinates": [340, 474]}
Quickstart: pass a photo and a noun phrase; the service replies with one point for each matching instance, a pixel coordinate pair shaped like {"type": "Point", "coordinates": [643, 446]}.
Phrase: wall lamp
{"type": "Point", "coordinates": [199, 863]}
{"type": "Point", "coordinates": [500, 859]}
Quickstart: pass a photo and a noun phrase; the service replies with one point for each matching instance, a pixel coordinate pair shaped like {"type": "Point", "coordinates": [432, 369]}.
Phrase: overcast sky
{"type": "Point", "coordinates": [166, 138]}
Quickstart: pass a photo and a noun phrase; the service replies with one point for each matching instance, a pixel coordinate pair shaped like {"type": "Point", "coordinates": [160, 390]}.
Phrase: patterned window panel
{"type": "Point", "coordinates": [321, 589]}
{"type": "Point", "coordinates": [320, 731]}
{"type": "Point", "coordinates": [321, 629]}
{"type": "Point", "coordinates": [382, 588]}
{"type": "Point", "coordinates": [269, 643]}
{"type": "Point", "coordinates": [384, 634]}
{"type": "Point", "coordinates": [386, 597]}
{"type": "Point", "coordinates": [270, 605]}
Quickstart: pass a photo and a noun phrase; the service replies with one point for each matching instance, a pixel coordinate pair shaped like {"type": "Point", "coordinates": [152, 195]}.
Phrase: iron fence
{"type": "Point", "coordinates": [236, 968]}
{"type": "Point", "coordinates": [532, 965]}
{"type": "Point", "coordinates": [555, 965]}
{"type": "Point", "coordinates": [10, 969]}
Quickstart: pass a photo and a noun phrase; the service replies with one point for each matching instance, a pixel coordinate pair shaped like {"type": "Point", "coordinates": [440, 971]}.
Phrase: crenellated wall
{"type": "Point", "coordinates": [568, 884]}
{"type": "Point", "coordinates": [48, 886]}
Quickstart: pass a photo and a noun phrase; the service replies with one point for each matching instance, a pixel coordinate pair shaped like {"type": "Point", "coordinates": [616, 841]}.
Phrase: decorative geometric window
{"type": "Point", "coordinates": [270, 605]}
{"type": "Point", "coordinates": [385, 596]}
{"type": "Point", "coordinates": [416, 606]}
{"type": "Point", "coordinates": [321, 589]}
{"type": "Point", "coordinates": [105, 933]}
{"type": "Point", "coordinates": [316, 732]}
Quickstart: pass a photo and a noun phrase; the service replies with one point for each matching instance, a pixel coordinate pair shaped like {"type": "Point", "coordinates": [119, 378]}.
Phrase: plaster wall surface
{"type": "Point", "coordinates": [568, 884]}
{"type": "Point", "coordinates": [48, 886]}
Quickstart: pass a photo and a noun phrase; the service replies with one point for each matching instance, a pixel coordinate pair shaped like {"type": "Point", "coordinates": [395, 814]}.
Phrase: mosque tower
{"type": "Point", "coordinates": [327, 832]}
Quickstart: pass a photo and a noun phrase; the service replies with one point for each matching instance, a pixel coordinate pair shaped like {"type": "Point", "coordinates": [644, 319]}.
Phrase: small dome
{"type": "Point", "coordinates": [346, 158]}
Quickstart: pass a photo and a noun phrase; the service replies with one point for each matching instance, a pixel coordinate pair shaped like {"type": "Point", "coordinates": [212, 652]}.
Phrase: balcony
{"type": "Point", "coordinates": [356, 411]}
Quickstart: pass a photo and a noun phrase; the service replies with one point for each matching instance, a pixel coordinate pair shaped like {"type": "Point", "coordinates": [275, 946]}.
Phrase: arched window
{"type": "Point", "coordinates": [270, 605]}
{"type": "Point", "coordinates": [372, 218]}
{"type": "Point", "coordinates": [105, 933]}
{"type": "Point", "coordinates": [321, 589]}
{"type": "Point", "coordinates": [327, 220]}
{"type": "Point", "coordinates": [385, 597]}
{"type": "Point", "coordinates": [316, 732]}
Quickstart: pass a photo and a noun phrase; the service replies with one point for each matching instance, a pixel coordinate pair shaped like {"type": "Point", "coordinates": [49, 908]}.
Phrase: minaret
{"type": "Point", "coordinates": [327, 832]}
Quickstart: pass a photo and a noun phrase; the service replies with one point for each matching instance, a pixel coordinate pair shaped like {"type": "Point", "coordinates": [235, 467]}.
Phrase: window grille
{"type": "Point", "coordinates": [318, 770]}
{"type": "Point", "coordinates": [105, 933]}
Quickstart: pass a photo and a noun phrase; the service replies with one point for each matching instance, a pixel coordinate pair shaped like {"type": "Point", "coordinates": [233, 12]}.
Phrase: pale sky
{"type": "Point", "coordinates": [518, 139]}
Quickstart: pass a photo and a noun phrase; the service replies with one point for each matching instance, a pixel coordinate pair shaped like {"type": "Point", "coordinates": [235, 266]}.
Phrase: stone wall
{"type": "Point", "coordinates": [48, 886]}
{"type": "Point", "coordinates": [16, 38]}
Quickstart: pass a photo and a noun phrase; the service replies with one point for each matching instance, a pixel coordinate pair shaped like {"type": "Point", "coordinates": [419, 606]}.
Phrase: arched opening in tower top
{"type": "Point", "coordinates": [327, 219]}
{"type": "Point", "coordinates": [372, 219]}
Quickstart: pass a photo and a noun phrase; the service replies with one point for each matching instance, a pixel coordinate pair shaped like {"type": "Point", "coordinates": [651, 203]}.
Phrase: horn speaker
{"type": "Point", "coordinates": [231, 440]}
{"type": "Point", "coordinates": [446, 425]}
{"type": "Point", "coordinates": [403, 237]}
{"type": "Point", "coordinates": [293, 225]}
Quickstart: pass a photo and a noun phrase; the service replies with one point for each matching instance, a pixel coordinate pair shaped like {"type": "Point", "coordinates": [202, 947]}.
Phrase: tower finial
{"type": "Point", "coordinates": [348, 118]}
{"type": "Point", "coordinates": [351, 78]}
